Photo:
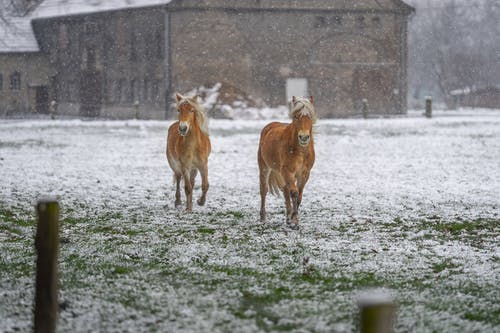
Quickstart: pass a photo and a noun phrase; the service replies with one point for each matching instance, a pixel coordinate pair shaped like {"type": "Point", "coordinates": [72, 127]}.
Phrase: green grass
{"type": "Point", "coordinates": [117, 260]}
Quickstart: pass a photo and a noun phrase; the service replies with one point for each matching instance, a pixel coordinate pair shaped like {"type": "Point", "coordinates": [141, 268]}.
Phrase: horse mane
{"type": "Point", "coordinates": [304, 107]}
{"type": "Point", "coordinates": [201, 114]}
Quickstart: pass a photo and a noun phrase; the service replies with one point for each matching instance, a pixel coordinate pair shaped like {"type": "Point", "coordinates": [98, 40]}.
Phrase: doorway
{"type": "Point", "coordinates": [42, 99]}
{"type": "Point", "coordinates": [90, 93]}
{"type": "Point", "coordinates": [296, 87]}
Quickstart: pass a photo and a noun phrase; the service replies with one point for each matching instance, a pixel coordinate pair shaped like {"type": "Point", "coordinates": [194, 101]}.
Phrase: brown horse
{"type": "Point", "coordinates": [286, 156]}
{"type": "Point", "coordinates": [188, 147]}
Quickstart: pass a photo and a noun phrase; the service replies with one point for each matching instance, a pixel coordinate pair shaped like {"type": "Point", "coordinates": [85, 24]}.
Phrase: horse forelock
{"type": "Point", "coordinates": [303, 107]}
{"type": "Point", "coordinates": [201, 115]}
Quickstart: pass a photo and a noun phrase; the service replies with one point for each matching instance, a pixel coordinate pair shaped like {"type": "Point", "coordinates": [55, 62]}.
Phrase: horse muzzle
{"type": "Point", "coordinates": [304, 140]}
{"type": "Point", "coordinates": [183, 129]}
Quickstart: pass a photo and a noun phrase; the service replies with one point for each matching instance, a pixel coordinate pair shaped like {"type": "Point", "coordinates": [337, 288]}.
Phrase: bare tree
{"type": "Point", "coordinates": [454, 44]}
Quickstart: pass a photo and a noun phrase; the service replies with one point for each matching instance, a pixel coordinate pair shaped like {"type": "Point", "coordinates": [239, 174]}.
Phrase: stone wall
{"type": "Point", "coordinates": [346, 55]}
{"type": "Point", "coordinates": [33, 71]}
{"type": "Point", "coordinates": [108, 64]}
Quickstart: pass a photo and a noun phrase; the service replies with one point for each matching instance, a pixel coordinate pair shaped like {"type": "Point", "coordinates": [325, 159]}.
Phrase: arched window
{"type": "Point", "coordinates": [15, 81]}
{"type": "Point", "coordinates": [360, 22]}
{"type": "Point", "coordinates": [376, 22]}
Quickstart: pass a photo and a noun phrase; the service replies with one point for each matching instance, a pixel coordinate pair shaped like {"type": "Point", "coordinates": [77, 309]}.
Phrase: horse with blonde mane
{"type": "Point", "coordinates": [188, 148]}
{"type": "Point", "coordinates": [286, 156]}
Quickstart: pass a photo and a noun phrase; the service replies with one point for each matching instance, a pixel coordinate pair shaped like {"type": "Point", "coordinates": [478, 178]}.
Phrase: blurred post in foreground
{"type": "Point", "coordinates": [47, 245]}
{"type": "Point", "coordinates": [377, 312]}
{"type": "Point", "coordinates": [428, 106]}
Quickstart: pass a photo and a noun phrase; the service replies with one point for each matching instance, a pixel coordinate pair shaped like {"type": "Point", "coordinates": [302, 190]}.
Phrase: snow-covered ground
{"type": "Point", "coordinates": [410, 204]}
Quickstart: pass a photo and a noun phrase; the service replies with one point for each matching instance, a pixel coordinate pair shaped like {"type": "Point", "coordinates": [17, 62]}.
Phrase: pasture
{"type": "Point", "coordinates": [409, 204]}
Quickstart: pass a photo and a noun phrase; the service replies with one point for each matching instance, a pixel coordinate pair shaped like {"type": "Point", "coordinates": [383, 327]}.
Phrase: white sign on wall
{"type": "Point", "coordinates": [296, 87]}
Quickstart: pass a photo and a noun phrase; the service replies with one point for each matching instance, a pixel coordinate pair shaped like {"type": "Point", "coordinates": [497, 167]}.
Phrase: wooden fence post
{"type": "Point", "coordinates": [377, 312]}
{"type": "Point", "coordinates": [364, 107]}
{"type": "Point", "coordinates": [47, 245]}
{"type": "Point", "coordinates": [136, 107]}
{"type": "Point", "coordinates": [428, 107]}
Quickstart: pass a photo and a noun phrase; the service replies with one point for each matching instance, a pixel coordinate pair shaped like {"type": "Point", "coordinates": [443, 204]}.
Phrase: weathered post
{"type": "Point", "coordinates": [53, 109]}
{"type": "Point", "coordinates": [364, 107]}
{"type": "Point", "coordinates": [136, 106]}
{"type": "Point", "coordinates": [428, 106]}
{"type": "Point", "coordinates": [47, 245]}
{"type": "Point", "coordinates": [377, 312]}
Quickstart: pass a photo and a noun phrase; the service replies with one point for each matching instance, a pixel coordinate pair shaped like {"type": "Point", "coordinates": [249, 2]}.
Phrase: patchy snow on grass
{"type": "Point", "coordinates": [407, 204]}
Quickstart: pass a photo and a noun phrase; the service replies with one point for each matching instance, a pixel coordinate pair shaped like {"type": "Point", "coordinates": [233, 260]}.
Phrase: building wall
{"type": "Point", "coordinates": [33, 73]}
{"type": "Point", "coordinates": [109, 64]}
{"type": "Point", "coordinates": [346, 55]}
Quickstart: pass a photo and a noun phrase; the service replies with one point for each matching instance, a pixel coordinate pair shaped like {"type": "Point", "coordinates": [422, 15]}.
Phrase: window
{"type": "Point", "coordinates": [133, 46]}
{"type": "Point", "coordinates": [159, 45]}
{"type": "Point", "coordinates": [337, 20]}
{"type": "Point", "coordinates": [360, 22]}
{"type": "Point", "coordinates": [73, 92]}
{"type": "Point", "coordinates": [154, 91]}
{"type": "Point", "coordinates": [63, 37]}
{"type": "Point", "coordinates": [90, 59]}
{"type": "Point", "coordinates": [1, 82]}
{"type": "Point", "coordinates": [133, 96]}
{"type": "Point", "coordinates": [118, 90]}
{"type": "Point", "coordinates": [91, 28]}
{"type": "Point", "coordinates": [149, 46]}
{"type": "Point", "coordinates": [15, 81]}
{"type": "Point", "coordinates": [376, 22]}
{"type": "Point", "coordinates": [145, 91]}
{"type": "Point", "coordinates": [319, 21]}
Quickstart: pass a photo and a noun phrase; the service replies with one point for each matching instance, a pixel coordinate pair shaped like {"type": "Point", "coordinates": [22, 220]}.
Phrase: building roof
{"type": "Point", "coordinates": [328, 5]}
{"type": "Point", "coordinates": [58, 8]}
{"type": "Point", "coordinates": [16, 32]}
{"type": "Point", "coordinates": [16, 35]}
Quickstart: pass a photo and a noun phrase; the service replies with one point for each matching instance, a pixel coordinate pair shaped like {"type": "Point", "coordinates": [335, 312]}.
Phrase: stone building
{"type": "Point", "coordinates": [24, 71]}
{"type": "Point", "coordinates": [340, 51]}
{"type": "Point", "coordinates": [121, 58]}
{"type": "Point", "coordinates": [108, 56]}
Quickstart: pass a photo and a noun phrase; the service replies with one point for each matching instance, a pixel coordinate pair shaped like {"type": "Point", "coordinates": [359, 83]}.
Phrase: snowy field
{"type": "Point", "coordinates": [408, 204]}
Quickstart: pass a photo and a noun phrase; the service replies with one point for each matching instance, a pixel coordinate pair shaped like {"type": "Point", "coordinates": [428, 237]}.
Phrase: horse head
{"type": "Point", "coordinates": [191, 114]}
{"type": "Point", "coordinates": [304, 118]}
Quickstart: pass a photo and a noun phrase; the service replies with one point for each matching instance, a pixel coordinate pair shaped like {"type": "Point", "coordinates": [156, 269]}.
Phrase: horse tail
{"type": "Point", "coordinates": [275, 183]}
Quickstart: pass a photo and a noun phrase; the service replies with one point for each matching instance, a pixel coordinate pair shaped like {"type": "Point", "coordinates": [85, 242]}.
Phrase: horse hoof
{"type": "Point", "coordinates": [294, 226]}
{"type": "Point", "coordinates": [200, 202]}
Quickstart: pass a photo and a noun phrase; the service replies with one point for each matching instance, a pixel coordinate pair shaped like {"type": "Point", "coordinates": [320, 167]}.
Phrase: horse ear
{"type": "Point", "coordinates": [311, 99]}
{"type": "Point", "coordinates": [179, 97]}
{"type": "Point", "coordinates": [293, 99]}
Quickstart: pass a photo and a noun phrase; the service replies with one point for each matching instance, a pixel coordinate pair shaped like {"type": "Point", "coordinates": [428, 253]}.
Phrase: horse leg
{"type": "Point", "coordinates": [294, 195]}
{"type": "Point", "coordinates": [301, 183]}
{"type": "Point", "coordinates": [204, 184]}
{"type": "Point", "coordinates": [188, 189]}
{"type": "Point", "coordinates": [288, 205]}
{"type": "Point", "coordinates": [192, 177]}
{"type": "Point", "coordinates": [263, 177]}
{"type": "Point", "coordinates": [178, 177]}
